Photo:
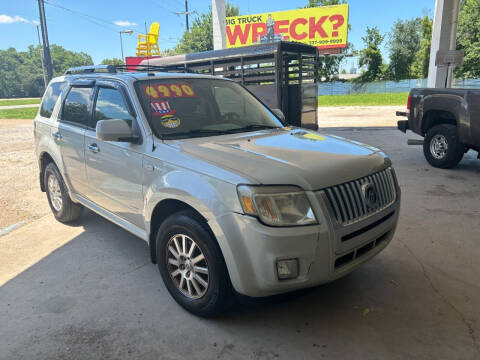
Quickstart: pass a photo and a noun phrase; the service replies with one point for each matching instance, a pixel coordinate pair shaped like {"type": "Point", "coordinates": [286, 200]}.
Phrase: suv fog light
{"type": "Point", "coordinates": [287, 269]}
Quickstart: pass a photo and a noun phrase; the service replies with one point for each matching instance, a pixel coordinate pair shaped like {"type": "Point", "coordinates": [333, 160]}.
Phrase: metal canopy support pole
{"type": "Point", "coordinates": [219, 24]}
{"type": "Point", "coordinates": [443, 38]}
{"type": "Point", "coordinates": [46, 47]}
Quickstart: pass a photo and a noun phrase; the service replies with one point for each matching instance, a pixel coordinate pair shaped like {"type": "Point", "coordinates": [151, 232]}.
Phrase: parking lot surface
{"type": "Point", "coordinates": [88, 291]}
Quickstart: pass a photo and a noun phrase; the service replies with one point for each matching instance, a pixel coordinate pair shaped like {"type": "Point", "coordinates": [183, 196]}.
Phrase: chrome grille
{"type": "Point", "coordinates": [347, 201]}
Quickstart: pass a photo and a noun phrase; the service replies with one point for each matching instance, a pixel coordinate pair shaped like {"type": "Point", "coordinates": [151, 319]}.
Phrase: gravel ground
{"type": "Point", "coordinates": [20, 198]}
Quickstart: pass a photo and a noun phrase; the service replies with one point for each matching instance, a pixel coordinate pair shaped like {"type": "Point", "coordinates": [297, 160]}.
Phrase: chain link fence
{"type": "Point", "coordinates": [346, 88]}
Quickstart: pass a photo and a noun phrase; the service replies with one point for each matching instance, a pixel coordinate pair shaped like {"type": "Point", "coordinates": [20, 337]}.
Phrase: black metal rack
{"type": "Point", "coordinates": [113, 69]}
{"type": "Point", "coordinates": [282, 74]}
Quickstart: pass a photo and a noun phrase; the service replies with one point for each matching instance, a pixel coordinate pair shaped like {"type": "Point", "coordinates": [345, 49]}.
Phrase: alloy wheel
{"type": "Point", "coordinates": [438, 146]}
{"type": "Point", "coordinates": [187, 266]}
{"type": "Point", "coordinates": [55, 192]}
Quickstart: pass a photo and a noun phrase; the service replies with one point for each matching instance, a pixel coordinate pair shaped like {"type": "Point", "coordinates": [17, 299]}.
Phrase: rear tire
{"type": "Point", "coordinates": [63, 208]}
{"type": "Point", "coordinates": [442, 147]}
{"type": "Point", "coordinates": [200, 286]}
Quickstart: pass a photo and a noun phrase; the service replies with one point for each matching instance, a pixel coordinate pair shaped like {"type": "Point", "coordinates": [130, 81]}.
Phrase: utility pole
{"type": "Point", "coordinates": [186, 14]}
{"type": "Point", "coordinates": [46, 47]}
{"type": "Point", "coordinates": [41, 57]}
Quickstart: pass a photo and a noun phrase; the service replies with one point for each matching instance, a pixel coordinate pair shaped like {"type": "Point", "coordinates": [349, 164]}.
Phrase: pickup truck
{"type": "Point", "coordinates": [449, 121]}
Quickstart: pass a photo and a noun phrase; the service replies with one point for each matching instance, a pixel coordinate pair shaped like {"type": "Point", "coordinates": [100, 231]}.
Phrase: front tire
{"type": "Point", "coordinates": [442, 147]}
{"type": "Point", "coordinates": [192, 265]}
{"type": "Point", "coordinates": [63, 208]}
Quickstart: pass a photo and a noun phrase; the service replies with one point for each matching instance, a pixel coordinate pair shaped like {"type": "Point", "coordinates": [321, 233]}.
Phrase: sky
{"type": "Point", "coordinates": [93, 26]}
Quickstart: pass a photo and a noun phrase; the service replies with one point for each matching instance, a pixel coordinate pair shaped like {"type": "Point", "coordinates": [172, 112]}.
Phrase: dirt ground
{"type": "Point", "coordinates": [358, 116]}
{"type": "Point", "coordinates": [20, 198]}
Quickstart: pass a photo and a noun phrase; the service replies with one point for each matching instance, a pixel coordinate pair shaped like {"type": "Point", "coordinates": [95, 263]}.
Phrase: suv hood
{"type": "Point", "coordinates": [289, 156]}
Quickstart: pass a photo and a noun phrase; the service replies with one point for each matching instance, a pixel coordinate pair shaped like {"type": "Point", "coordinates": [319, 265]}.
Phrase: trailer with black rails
{"type": "Point", "coordinates": [283, 75]}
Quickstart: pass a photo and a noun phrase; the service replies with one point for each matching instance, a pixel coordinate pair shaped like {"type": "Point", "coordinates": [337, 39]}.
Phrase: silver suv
{"type": "Point", "coordinates": [228, 197]}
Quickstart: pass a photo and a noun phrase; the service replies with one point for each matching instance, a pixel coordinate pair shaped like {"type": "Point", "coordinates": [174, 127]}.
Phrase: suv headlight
{"type": "Point", "coordinates": [277, 205]}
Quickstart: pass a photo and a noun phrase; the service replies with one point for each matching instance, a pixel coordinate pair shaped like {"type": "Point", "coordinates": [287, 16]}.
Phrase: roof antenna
{"type": "Point", "coordinates": [149, 96]}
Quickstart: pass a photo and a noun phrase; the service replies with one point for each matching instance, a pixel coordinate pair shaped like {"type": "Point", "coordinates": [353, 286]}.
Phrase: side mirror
{"type": "Point", "coordinates": [279, 113]}
{"type": "Point", "coordinates": [115, 130]}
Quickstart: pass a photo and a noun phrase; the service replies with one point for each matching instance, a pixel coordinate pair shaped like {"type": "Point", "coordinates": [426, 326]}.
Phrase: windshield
{"type": "Point", "coordinates": [183, 108]}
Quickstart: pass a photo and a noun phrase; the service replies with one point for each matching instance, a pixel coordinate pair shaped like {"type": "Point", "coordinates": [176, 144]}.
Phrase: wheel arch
{"type": "Point", "coordinates": [162, 211]}
{"type": "Point", "coordinates": [432, 118]}
{"type": "Point", "coordinates": [44, 159]}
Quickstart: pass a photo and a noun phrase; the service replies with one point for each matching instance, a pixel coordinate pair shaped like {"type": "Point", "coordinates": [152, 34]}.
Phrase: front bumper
{"type": "Point", "coordinates": [252, 249]}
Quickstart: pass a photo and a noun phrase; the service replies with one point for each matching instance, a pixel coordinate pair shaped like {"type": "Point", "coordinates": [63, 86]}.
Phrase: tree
{"type": "Point", "coordinates": [328, 66]}
{"type": "Point", "coordinates": [404, 45]}
{"type": "Point", "coordinates": [468, 39]}
{"type": "Point", "coordinates": [21, 71]}
{"type": "Point", "coordinates": [200, 36]}
{"type": "Point", "coordinates": [112, 61]}
{"type": "Point", "coordinates": [371, 56]}
{"type": "Point", "coordinates": [422, 58]}
{"type": "Point", "coordinates": [63, 59]}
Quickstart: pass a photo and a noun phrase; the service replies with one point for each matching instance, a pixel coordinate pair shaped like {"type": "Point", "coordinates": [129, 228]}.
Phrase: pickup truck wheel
{"type": "Point", "coordinates": [63, 208]}
{"type": "Point", "coordinates": [192, 266]}
{"type": "Point", "coordinates": [442, 147]}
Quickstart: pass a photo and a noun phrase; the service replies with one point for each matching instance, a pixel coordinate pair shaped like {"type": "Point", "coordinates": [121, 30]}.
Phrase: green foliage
{"type": "Point", "coordinates": [200, 36]}
{"type": "Point", "coordinates": [21, 71]}
{"type": "Point", "coordinates": [419, 68]}
{"type": "Point", "coordinates": [112, 61]}
{"type": "Point", "coordinates": [371, 56]}
{"type": "Point", "coordinates": [328, 66]}
{"type": "Point", "coordinates": [468, 39]}
{"type": "Point", "coordinates": [63, 59]}
{"type": "Point", "coordinates": [404, 45]}
{"type": "Point", "coordinates": [363, 99]}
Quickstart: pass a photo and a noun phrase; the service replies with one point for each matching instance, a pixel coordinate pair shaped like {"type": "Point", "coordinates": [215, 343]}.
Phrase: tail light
{"type": "Point", "coordinates": [409, 102]}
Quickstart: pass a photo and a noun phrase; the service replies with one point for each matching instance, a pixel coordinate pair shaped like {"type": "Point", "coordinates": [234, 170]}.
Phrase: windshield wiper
{"type": "Point", "coordinates": [252, 127]}
{"type": "Point", "coordinates": [193, 133]}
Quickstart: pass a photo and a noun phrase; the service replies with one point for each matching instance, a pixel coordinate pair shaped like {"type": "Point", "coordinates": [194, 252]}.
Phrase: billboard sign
{"type": "Point", "coordinates": [325, 27]}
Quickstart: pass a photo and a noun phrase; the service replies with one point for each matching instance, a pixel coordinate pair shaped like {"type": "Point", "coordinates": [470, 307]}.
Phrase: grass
{"type": "Point", "coordinates": [363, 99]}
{"type": "Point", "coordinates": [23, 113]}
{"type": "Point", "coordinates": [9, 102]}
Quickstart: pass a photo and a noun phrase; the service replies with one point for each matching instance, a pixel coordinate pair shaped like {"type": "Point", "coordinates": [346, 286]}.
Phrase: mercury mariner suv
{"type": "Point", "coordinates": [228, 197]}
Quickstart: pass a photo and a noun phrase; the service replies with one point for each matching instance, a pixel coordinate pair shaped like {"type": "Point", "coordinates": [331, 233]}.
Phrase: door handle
{"type": "Point", "coordinates": [94, 148]}
{"type": "Point", "coordinates": [57, 136]}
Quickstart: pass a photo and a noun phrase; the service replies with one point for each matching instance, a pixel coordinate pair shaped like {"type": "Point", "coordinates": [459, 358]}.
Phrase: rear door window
{"type": "Point", "coordinates": [77, 106]}
{"type": "Point", "coordinates": [50, 98]}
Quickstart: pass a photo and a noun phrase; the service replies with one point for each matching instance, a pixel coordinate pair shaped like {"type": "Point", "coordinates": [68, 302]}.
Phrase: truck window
{"type": "Point", "coordinates": [50, 99]}
{"type": "Point", "coordinates": [76, 108]}
{"type": "Point", "coordinates": [111, 105]}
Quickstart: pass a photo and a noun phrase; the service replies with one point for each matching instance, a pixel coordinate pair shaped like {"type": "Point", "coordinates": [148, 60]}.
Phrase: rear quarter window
{"type": "Point", "coordinates": [50, 98]}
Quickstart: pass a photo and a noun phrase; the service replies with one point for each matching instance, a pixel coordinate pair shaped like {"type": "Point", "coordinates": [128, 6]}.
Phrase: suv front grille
{"type": "Point", "coordinates": [347, 201]}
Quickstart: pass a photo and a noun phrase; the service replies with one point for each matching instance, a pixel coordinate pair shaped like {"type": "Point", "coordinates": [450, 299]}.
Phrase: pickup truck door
{"type": "Point", "coordinates": [115, 169]}
{"type": "Point", "coordinates": [68, 134]}
{"type": "Point", "coordinates": [473, 101]}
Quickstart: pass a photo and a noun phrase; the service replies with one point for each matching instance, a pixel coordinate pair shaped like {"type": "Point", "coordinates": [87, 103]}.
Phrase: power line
{"type": "Point", "coordinates": [106, 24]}
{"type": "Point", "coordinates": [186, 13]}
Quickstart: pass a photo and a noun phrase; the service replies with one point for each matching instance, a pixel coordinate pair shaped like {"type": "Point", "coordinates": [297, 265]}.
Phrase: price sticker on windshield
{"type": "Point", "coordinates": [161, 91]}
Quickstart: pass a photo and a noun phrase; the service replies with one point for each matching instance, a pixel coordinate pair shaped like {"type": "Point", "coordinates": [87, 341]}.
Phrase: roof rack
{"type": "Point", "coordinates": [119, 68]}
{"type": "Point", "coordinates": [91, 69]}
